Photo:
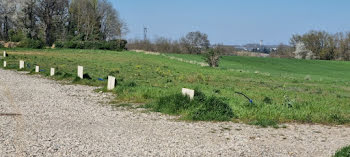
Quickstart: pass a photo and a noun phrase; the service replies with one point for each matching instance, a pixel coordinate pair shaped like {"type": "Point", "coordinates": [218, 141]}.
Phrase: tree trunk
{"type": "Point", "coordinates": [6, 29]}
{"type": "Point", "coordinates": [48, 34]}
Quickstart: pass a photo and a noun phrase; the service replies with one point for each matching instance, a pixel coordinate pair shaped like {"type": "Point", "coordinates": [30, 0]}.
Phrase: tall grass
{"type": "Point", "coordinates": [201, 108]}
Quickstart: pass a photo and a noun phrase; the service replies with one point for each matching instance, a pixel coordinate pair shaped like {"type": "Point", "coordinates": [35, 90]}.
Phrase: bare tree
{"type": "Point", "coordinates": [7, 11]}
{"type": "Point", "coordinates": [112, 26]}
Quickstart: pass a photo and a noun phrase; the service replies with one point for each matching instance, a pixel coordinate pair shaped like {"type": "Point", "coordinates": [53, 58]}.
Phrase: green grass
{"type": "Point", "coordinates": [344, 152]}
{"type": "Point", "coordinates": [201, 108]}
{"type": "Point", "coordinates": [283, 90]}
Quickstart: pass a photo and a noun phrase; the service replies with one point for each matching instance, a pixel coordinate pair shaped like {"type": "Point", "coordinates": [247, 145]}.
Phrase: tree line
{"type": "Point", "coordinates": [64, 21]}
{"type": "Point", "coordinates": [317, 45]}
{"type": "Point", "coordinates": [192, 43]}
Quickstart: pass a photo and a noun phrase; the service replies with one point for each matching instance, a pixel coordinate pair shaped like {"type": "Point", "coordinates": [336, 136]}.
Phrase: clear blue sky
{"type": "Point", "coordinates": [234, 21]}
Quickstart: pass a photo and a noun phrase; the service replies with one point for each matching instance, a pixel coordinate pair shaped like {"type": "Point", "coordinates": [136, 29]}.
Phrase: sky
{"type": "Point", "coordinates": [233, 22]}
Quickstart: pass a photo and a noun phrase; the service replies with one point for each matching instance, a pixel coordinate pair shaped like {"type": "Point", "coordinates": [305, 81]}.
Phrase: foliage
{"type": "Point", "coordinates": [118, 45]}
{"type": "Point", "coordinates": [31, 43]}
{"type": "Point", "coordinates": [200, 108]}
{"type": "Point", "coordinates": [61, 20]}
{"type": "Point", "coordinates": [15, 35]}
{"type": "Point", "coordinates": [344, 152]}
{"type": "Point", "coordinates": [324, 45]}
{"type": "Point", "coordinates": [212, 56]}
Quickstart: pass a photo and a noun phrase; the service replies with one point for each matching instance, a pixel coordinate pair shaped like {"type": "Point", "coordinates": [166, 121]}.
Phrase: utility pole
{"type": "Point", "coordinates": [145, 29]}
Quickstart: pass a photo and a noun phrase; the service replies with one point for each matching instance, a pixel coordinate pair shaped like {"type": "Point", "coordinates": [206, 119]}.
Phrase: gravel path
{"type": "Point", "coordinates": [39, 117]}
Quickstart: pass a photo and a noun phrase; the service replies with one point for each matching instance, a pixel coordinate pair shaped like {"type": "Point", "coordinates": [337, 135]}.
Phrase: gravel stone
{"type": "Point", "coordinates": [71, 120]}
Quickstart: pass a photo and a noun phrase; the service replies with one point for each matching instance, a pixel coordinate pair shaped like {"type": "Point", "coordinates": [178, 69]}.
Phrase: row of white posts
{"type": "Point", "coordinates": [111, 79]}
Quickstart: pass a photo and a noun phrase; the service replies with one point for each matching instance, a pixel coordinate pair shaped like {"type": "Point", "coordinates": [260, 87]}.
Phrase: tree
{"type": "Point", "coordinates": [213, 55]}
{"type": "Point", "coordinates": [50, 13]}
{"type": "Point", "coordinates": [30, 19]}
{"type": "Point", "coordinates": [320, 43]}
{"type": "Point", "coordinates": [7, 11]}
{"type": "Point", "coordinates": [85, 21]}
{"type": "Point", "coordinates": [195, 42]}
{"type": "Point", "coordinates": [112, 26]}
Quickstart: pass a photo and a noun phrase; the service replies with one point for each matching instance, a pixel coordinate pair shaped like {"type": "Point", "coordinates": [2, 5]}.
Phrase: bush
{"type": "Point", "coordinates": [31, 43]}
{"type": "Point", "coordinates": [70, 44]}
{"type": "Point", "coordinates": [15, 36]}
{"type": "Point", "coordinates": [213, 55]}
{"type": "Point", "coordinates": [118, 45]}
{"type": "Point", "coordinates": [200, 108]}
{"type": "Point", "coordinates": [344, 152]}
{"type": "Point", "coordinates": [59, 44]}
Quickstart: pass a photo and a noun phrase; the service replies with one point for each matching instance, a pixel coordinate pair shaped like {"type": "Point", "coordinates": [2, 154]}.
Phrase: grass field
{"type": "Point", "coordinates": [283, 90]}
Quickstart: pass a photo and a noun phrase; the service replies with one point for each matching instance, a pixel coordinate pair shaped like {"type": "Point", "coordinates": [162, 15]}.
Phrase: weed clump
{"type": "Point", "coordinates": [201, 108]}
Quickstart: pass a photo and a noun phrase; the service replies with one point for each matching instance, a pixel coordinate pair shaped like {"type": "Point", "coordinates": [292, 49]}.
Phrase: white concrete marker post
{"type": "Point", "coordinates": [4, 54]}
{"type": "Point", "coordinates": [52, 72]}
{"type": "Point", "coordinates": [188, 92]}
{"type": "Point", "coordinates": [111, 83]}
{"type": "Point", "coordinates": [5, 64]}
{"type": "Point", "coordinates": [21, 64]}
{"type": "Point", "coordinates": [80, 72]}
{"type": "Point", "coordinates": [36, 69]}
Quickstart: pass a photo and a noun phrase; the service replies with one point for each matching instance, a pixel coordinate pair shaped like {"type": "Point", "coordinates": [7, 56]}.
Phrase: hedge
{"type": "Point", "coordinates": [118, 45]}
{"type": "Point", "coordinates": [31, 43]}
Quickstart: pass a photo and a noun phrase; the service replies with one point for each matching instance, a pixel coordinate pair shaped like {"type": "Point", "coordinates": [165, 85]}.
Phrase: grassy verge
{"type": "Point", "coordinates": [201, 108]}
{"type": "Point", "coordinates": [283, 90]}
{"type": "Point", "coordinates": [344, 152]}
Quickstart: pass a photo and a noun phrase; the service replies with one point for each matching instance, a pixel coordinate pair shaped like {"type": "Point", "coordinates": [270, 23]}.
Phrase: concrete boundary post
{"type": "Point", "coordinates": [52, 72]}
{"type": "Point", "coordinates": [111, 83]}
{"type": "Point", "coordinates": [188, 92]}
{"type": "Point", "coordinates": [21, 64]}
{"type": "Point", "coordinates": [81, 72]}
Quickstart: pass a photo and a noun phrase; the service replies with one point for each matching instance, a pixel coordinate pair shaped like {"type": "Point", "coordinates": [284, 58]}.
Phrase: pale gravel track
{"type": "Point", "coordinates": [72, 120]}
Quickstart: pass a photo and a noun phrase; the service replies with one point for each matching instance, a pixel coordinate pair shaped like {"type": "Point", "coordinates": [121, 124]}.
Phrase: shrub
{"type": "Point", "coordinates": [15, 36]}
{"type": "Point", "coordinates": [212, 109]}
{"type": "Point", "coordinates": [59, 44]}
{"type": "Point", "coordinates": [80, 45]}
{"type": "Point", "coordinates": [201, 108]}
{"type": "Point", "coordinates": [70, 44]}
{"type": "Point", "coordinates": [118, 45]}
{"type": "Point", "coordinates": [213, 55]}
{"type": "Point", "coordinates": [31, 43]}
